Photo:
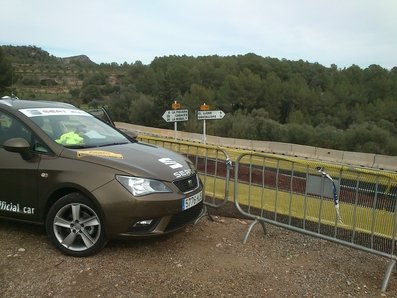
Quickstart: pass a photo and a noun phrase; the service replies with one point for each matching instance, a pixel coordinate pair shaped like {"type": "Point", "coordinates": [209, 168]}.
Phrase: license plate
{"type": "Point", "coordinates": [192, 201]}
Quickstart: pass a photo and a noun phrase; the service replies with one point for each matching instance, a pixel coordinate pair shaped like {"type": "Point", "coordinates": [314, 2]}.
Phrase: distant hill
{"type": "Point", "coordinates": [34, 55]}
{"type": "Point", "coordinates": [79, 58]}
{"type": "Point", "coordinates": [28, 54]}
{"type": "Point", "coordinates": [39, 74]}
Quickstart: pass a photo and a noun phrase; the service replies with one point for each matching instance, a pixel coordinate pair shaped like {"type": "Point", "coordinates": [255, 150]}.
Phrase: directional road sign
{"type": "Point", "coordinates": [208, 115]}
{"type": "Point", "coordinates": [176, 115]}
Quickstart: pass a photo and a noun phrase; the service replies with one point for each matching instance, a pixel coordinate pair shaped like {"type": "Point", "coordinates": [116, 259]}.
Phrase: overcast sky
{"type": "Point", "coordinates": [341, 32]}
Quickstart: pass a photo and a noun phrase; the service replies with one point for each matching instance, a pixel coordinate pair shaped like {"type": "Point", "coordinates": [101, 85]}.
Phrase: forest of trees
{"type": "Point", "coordinates": [264, 98]}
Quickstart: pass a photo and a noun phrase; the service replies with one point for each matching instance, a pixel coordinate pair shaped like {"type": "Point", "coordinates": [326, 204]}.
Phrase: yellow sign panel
{"type": "Point", "coordinates": [99, 153]}
{"type": "Point", "coordinates": [176, 105]}
{"type": "Point", "coordinates": [204, 107]}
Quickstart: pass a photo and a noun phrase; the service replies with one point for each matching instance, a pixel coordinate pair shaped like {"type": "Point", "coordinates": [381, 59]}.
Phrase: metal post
{"type": "Point", "coordinates": [175, 129]}
{"type": "Point", "coordinates": [389, 271]}
{"type": "Point", "coordinates": [204, 137]}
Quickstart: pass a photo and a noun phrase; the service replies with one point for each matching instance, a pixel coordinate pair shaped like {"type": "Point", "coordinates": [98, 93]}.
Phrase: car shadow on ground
{"type": "Point", "coordinates": [12, 227]}
{"type": "Point", "coordinates": [142, 242]}
{"type": "Point", "coordinates": [25, 232]}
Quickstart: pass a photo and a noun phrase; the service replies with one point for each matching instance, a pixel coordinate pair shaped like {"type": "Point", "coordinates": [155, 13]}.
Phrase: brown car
{"type": "Point", "coordinates": [87, 181]}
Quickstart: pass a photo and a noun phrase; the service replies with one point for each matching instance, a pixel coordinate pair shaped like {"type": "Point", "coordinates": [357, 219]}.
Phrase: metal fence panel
{"type": "Point", "coordinates": [351, 206]}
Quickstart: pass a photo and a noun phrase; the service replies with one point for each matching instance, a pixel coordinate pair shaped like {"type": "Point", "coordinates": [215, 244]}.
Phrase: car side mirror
{"type": "Point", "coordinates": [18, 145]}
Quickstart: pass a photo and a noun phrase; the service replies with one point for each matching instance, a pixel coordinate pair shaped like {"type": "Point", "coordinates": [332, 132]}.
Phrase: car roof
{"type": "Point", "coordinates": [18, 104]}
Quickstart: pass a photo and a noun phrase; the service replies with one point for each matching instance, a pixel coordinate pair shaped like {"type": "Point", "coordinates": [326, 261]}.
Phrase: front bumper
{"type": "Point", "coordinates": [123, 213]}
{"type": "Point", "coordinates": [165, 224]}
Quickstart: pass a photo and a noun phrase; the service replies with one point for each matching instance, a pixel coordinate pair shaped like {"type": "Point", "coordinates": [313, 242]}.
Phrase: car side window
{"type": "Point", "coordinates": [6, 123]}
{"type": "Point", "coordinates": [11, 127]}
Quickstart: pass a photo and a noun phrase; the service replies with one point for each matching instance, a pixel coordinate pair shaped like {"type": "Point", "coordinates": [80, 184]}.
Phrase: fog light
{"type": "Point", "coordinates": [143, 223]}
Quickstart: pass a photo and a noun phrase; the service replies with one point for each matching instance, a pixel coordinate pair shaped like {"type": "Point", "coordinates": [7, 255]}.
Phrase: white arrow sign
{"type": "Point", "coordinates": [176, 115]}
{"type": "Point", "coordinates": [205, 115]}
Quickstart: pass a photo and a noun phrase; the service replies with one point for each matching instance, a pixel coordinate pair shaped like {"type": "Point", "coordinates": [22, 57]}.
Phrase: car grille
{"type": "Point", "coordinates": [184, 217]}
{"type": "Point", "coordinates": [187, 184]}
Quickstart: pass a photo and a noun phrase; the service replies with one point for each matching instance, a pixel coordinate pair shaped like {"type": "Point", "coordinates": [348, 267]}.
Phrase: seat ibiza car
{"type": "Point", "coordinates": [87, 181]}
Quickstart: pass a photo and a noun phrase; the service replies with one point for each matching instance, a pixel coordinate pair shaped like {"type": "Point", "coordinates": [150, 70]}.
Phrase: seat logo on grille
{"type": "Point", "coordinates": [183, 173]}
{"type": "Point", "coordinates": [171, 163]}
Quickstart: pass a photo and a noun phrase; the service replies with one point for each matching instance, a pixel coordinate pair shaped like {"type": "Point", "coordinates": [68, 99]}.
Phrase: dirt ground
{"type": "Point", "coordinates": [203, 260]}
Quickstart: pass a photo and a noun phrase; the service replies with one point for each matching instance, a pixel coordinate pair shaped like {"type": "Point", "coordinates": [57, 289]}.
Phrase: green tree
{"type": "Point", "coordinates": [271, 95]}
{"type": "Point", "coordinates": [227, 97]}
{"type": "Point", "coordinates": [367, 137]}
{"type": "Point", "coordinates": [141, 110]}
{"type": "Point", "coordinates": [192, 100]}
{"type": "Point", "coordinates": [96, 79]}
{"type": "Point", "coordinates": [120, 104]}
{"type": "Point", "coordinates": [268, 129]}
{"type": "Point", "coordinates": [300, 134]}
{"type": "Point", "coordinates": [327, 136]}
{"type": "Point", "coordinates": [75, 92]}
{"type": "Point", "coordinates": [296, 117]}
{"type": "Point", "coordinates": [90, 92]}
{"type": "Point", "coordinates": [233, 125]}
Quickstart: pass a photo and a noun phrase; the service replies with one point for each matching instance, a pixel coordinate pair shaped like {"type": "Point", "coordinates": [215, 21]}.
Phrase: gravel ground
{"type": "Point", "coordinates": [203, 260]}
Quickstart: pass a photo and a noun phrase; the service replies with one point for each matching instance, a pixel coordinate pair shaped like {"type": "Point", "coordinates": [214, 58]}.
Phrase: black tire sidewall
{"type": "Point", "coordinates": [70, 199]}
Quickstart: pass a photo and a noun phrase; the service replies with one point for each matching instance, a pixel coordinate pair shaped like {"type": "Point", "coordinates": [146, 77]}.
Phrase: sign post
{"type": "Point", "coordinates": [175, 106]}
{"type": "Point", "coordinates": [175, 116]}
{"type": "Point", "coordinates": [205, 114]}
{"type": "Point", "coordinates": [204, 107]}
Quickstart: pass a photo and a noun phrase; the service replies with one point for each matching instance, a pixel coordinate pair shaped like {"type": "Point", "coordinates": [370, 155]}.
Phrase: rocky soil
{"type": "Point", "coordinates": [204, 260]}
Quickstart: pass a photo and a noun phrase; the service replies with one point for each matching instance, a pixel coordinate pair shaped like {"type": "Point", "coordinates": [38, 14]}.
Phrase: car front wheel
{"type": "Point", "coordinates": [75, 227]}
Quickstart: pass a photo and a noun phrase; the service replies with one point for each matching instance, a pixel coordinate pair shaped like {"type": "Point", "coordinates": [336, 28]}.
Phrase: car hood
{"type": "Point", "coordinates": [137, 159]}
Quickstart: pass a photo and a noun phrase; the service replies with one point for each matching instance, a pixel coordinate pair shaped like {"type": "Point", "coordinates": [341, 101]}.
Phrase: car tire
{"type": "Point", "coordinates": [75, 226]}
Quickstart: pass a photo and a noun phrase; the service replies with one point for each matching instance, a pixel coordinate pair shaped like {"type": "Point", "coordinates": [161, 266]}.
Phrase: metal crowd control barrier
{"type": "Point", "coordinates": [352, 206]}
{"type": "Point", "coordinates": [212, 163]}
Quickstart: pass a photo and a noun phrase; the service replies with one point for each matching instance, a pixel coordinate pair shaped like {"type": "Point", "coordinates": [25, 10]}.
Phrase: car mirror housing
{"type": "Point", "coordinates": [18, 145]}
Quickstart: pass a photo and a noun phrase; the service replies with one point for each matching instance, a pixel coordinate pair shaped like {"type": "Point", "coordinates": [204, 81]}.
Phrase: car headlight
{"type": "Point", "coordinates": [142, 186]}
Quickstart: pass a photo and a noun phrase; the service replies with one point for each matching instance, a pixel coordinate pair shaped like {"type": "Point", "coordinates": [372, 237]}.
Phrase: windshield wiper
{"type": "Point", "coordinates": [77, 147]}
{"type": "Point", "coordinates": [112, 144]}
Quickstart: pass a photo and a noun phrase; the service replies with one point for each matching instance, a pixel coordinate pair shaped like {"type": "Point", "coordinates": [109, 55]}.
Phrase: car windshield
{"type": "Point", "coordinates": [75, 128]}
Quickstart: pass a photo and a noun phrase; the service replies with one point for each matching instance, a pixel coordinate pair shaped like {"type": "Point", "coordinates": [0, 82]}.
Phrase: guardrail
{"type": "Point", "coordinates": [352, 206]}
{"type": "Point", "coordinates": [377, 161]}
{"type": "Point", "coordinates": [212, 163]}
